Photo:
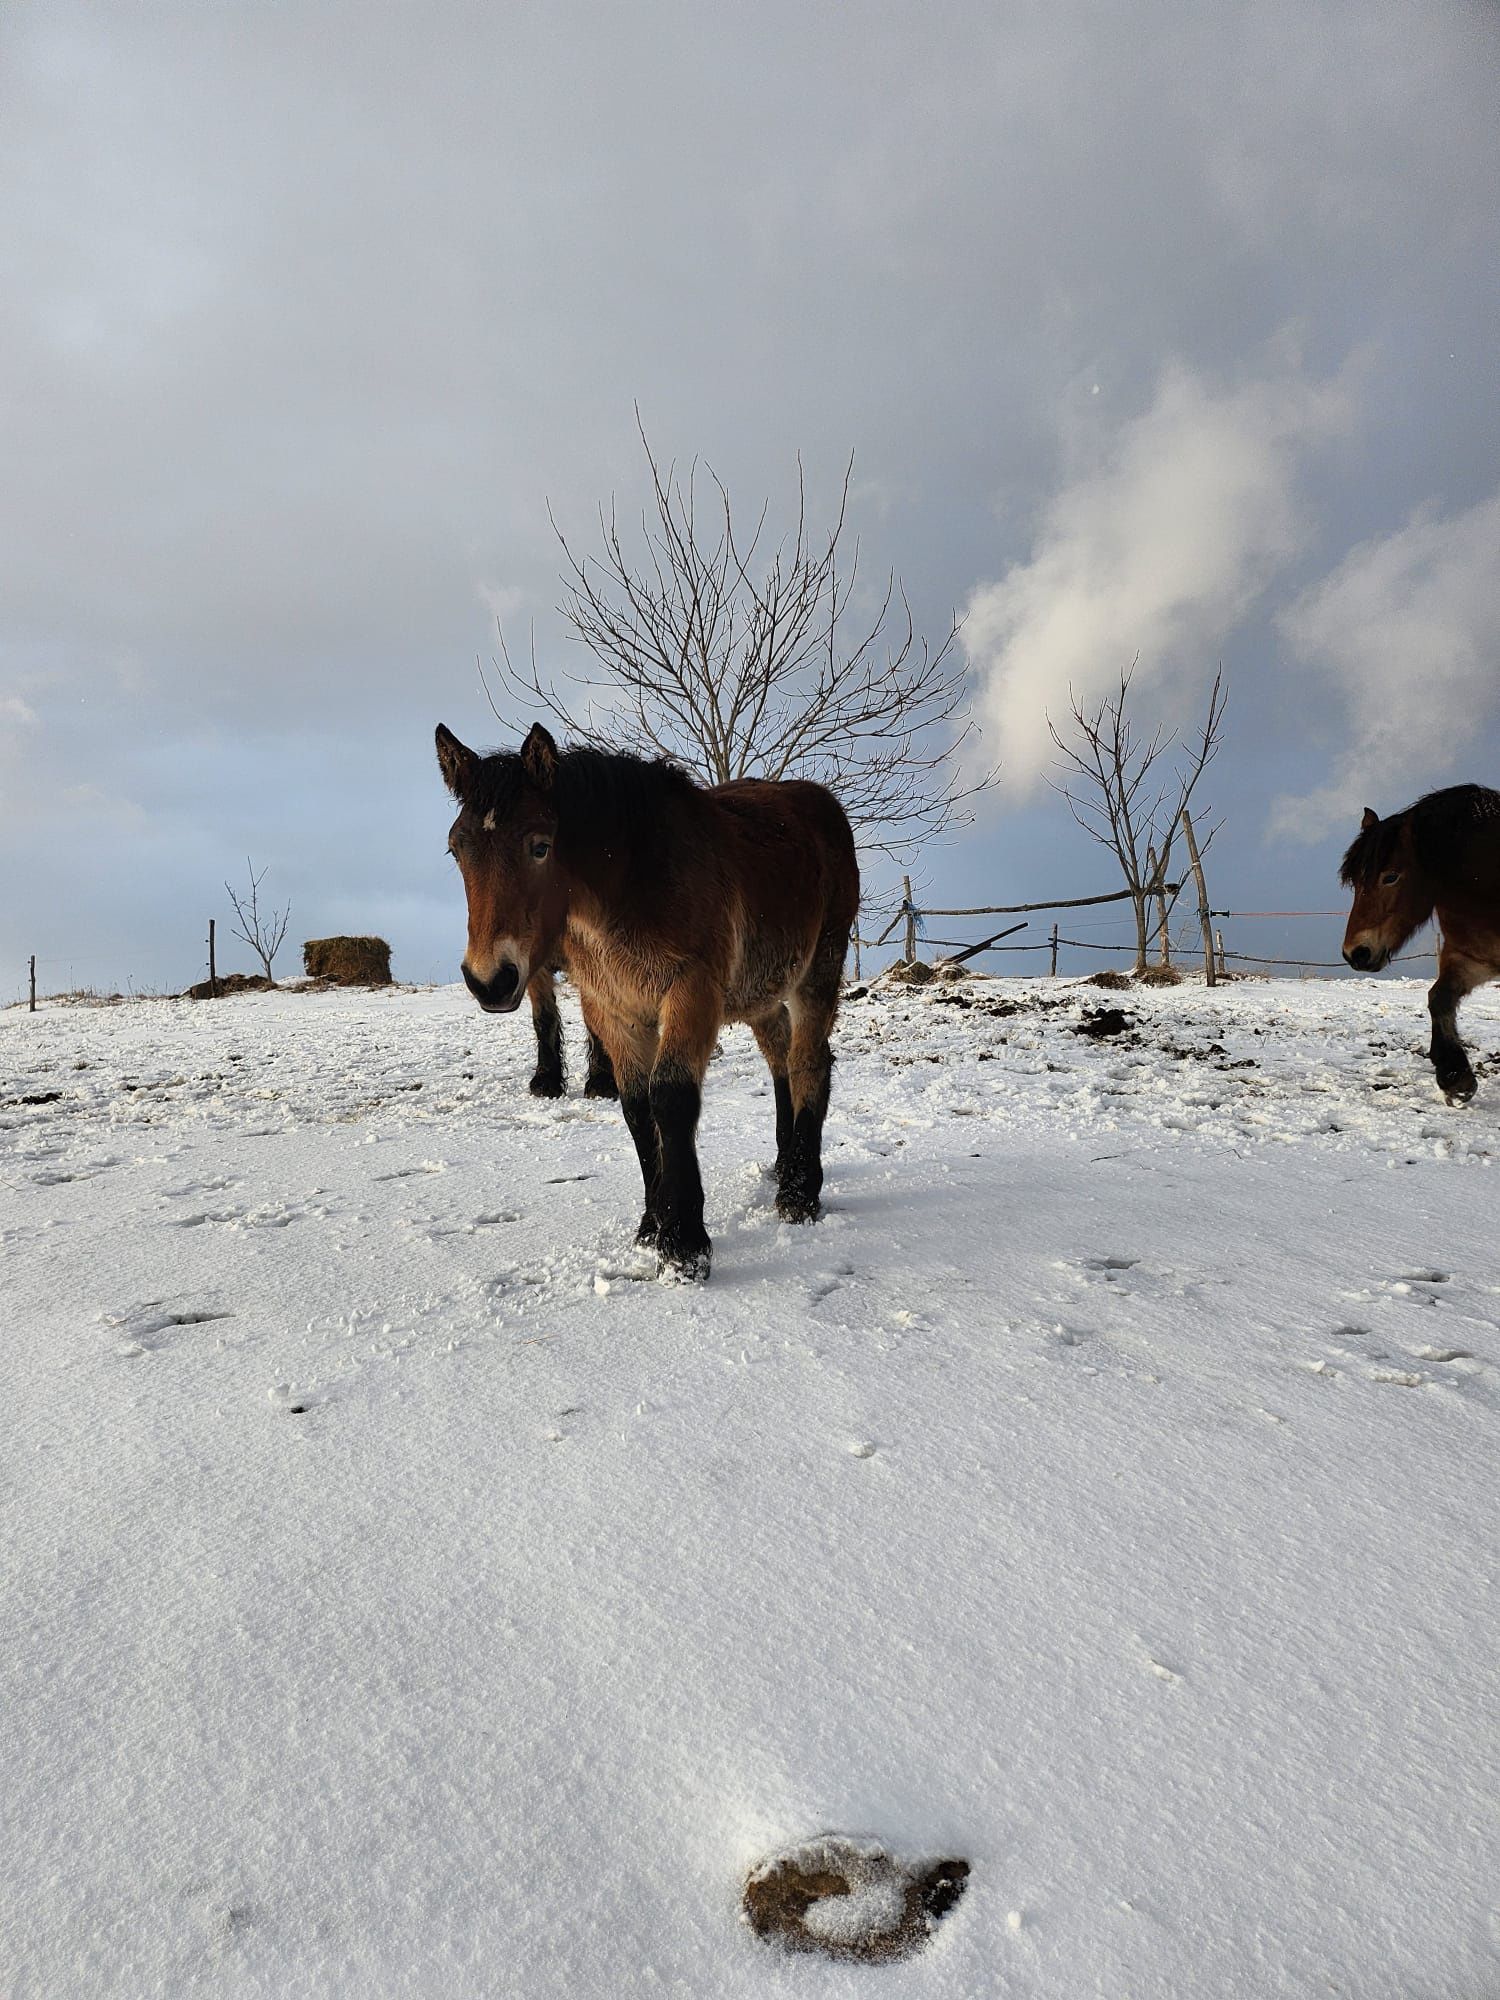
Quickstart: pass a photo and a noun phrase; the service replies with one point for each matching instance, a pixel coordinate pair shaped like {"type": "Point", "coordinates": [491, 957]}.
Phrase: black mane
{"type": "Point", "coordinates": [593, 789]}
{"type": "Point", "coordinates": [1438, 821]}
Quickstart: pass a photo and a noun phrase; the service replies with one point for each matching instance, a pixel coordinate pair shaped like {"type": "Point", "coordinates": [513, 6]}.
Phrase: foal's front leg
{"type": "Point", "coordinates": [691, 1015]}
{"type": "Point", "coordinates": [1456, 977]}
{"type": "Point", "coordinates": [548, 1079]}
{"type": "Point", "coordinates": [631, 1049]}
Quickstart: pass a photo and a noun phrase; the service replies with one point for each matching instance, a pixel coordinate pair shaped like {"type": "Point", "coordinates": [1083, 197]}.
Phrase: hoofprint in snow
{"type": "Point", "coordinates": [404, 1594]}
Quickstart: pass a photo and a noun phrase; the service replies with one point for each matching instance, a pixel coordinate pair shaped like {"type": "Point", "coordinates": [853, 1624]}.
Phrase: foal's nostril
{"type": "Point", "coordinates": [1360, 957]}
{"type": "Point", "coordinates": [497, 991]}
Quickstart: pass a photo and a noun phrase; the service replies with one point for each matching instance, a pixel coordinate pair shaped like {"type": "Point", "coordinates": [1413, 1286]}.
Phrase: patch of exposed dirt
{"type": "Point", "coordinates": [850, 1899]}
{"type": "Point", "coordinates": [1105, 1021]}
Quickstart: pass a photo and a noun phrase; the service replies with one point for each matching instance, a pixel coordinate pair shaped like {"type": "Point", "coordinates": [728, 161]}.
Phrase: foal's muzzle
{"type": "Point", "coordinates": [500, 994]}
{"type": "Point", "coordinates": [1364, 959]}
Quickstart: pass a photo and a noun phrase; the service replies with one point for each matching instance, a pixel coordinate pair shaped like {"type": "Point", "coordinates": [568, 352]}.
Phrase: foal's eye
{"type": "Point", "coordinates": [1390, 879]}
{"type": "Point", "coordinates": [539, 847]}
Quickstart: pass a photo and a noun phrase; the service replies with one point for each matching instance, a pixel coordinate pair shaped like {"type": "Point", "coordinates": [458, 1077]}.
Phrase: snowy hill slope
{"type": "Point", "coordinates": [403, 1596]}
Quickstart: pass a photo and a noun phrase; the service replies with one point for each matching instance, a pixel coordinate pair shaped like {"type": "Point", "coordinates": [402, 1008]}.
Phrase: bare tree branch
{"type": "Point", "coordinates": [263, 934]}
{"type": "Point", "coordinates": [738, 663]}
{"type": "Point", "coordinates": [1127, 794]}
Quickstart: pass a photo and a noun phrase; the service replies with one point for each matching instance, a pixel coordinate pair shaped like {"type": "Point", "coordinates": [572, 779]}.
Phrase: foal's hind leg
{"type": "Point", "coordinates": [809, 1074]}
{"type": "Point", "coordinates": [1456, 977]}
{"type": "Point", "coordinates": [774, 1034]}
{"type": "Point", "coordinates": [548, 1079]}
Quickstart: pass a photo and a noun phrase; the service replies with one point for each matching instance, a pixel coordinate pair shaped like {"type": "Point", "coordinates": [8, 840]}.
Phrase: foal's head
{"type": "Point", "coordinates": [1392, 894]}
{"type": "Point", "coordinates": [503, 841]}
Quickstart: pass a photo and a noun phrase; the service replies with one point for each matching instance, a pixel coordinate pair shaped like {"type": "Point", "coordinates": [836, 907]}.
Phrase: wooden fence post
{"type": "Point", "coordinates": [1054, 951]}
{"type": "Point", "coordinates": [854, 940]}
{"type": "Point", "coordinates": [1223, 965]}
{"type": "Point", "coordinates": [33, 982]}
{"type": "Point", "coordinates": [213, 977]}
{"type": "Point", "coordinates": [911, 921]}
{"type": "Point", "coordinates": [1158, 888]}
{"type": "Point", "coordinates": [1197, 866]}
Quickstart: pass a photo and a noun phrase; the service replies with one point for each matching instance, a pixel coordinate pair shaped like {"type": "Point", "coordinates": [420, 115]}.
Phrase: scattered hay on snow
{"type": "Point", "coordinates": [229, 982]}
{"type": "Point", "coordinates": [909, 972]}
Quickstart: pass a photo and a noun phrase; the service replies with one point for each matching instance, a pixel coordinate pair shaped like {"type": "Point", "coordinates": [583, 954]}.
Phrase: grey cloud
{"type": "Point", "coordinates": [1407, 628]}
{"type": "Point", "coordinates": [305, 311]}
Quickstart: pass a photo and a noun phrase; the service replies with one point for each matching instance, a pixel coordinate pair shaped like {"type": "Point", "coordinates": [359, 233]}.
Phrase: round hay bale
{"type": "Point", "coordinates": [348, 961]}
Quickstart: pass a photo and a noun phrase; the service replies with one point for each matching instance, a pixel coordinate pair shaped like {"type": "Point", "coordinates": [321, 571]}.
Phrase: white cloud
{"type": "Point", "coordinates": [1157, 547]}
{"type": "Point", "coordinates": [1408, 627]}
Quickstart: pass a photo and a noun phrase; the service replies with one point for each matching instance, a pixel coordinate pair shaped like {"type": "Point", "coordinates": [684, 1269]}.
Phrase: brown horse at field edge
{"type": "Point", "coordinates": [1440, 856]}
{"type": "Point", "coordinates": [676, 907]}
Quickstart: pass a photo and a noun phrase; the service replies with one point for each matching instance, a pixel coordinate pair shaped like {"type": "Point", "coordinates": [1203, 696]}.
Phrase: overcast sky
{"type": "Point", "coordinates": [1157, 330]}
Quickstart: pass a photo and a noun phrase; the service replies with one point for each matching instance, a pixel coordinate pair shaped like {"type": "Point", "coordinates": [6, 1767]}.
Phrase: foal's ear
{"type": "Point", "coordinates": [456, 761]}
{"type": "Point", "coordinates": [539, 758]}
{"type": "Point", "coordinates": [1370, 819]}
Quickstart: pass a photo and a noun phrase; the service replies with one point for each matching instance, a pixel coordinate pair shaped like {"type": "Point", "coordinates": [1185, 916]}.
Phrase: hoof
{"type": "Point", "coordinates": [798, 1207]}
{"type": "Point", "coordinates": [1458, 1089]}
{"type": "Point", "coordinates": [689, 1267]}
{"type": "Point", "coordinates": [683, 1255]}
{"type": "Point", "coordinates": [545, 1084]}
{"type": "Point", "coordinates": [601, 1086]}
{"type": "Point", "coordinates": [648, 1230]}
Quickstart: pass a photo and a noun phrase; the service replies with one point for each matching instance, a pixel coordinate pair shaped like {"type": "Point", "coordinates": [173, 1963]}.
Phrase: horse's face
{"type": "Point", "coordinates": [1390, 896]}
{"type": "Point", "coordinates": [504, 843]}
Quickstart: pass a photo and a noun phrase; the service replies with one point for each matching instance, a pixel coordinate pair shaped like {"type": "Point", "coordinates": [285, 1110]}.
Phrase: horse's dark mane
{"type": "Point", "coordinates": [1437, 821]}
{"type": "Point", "coordinates": [593, 789]}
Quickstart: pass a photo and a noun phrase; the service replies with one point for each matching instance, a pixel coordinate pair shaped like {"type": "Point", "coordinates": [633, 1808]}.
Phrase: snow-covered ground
{"type": "Point", "coordinates": [401, 1597]}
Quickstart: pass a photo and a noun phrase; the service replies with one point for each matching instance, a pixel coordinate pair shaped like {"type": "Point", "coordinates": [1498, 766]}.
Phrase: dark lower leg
{"type": "Point", "coordinates": [774, 1036]}
{"type": "Point", "coordinates": [1455, 1076]}
{"type": "Point", "coordinates": [635, 1102]}
{"type": "Point", "coordinates": [799, 1178]}
{"type": "Point", "coordinates": [681, 1237]}
{"type": "Point", "coordinates": [600, 1081]}
{"type": "Point", "coordinates": [784, 1118]}
{"type": "Point", "coordinates": [549, 1079]}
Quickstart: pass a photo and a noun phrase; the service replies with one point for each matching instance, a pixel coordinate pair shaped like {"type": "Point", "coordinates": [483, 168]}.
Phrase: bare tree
{"type": "Point", "coordinates": [739, 663]}
{"type": "Point", "coordinates": [263, 934]}
{"type": "Point", "coordinates": [1131, 794]}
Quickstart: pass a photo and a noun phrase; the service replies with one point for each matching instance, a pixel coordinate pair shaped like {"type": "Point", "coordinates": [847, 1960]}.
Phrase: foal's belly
{"type": "Point", "coordinates": [762, 978]}
{"type": "Point", "coordinates": [632, 983]}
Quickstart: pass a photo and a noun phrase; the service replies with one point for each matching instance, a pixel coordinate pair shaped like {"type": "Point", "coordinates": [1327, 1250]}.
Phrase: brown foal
{"type": "Point", "coordinates": [1439, 857]}
{"type": "Point", "coordinates": [676, 907]}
